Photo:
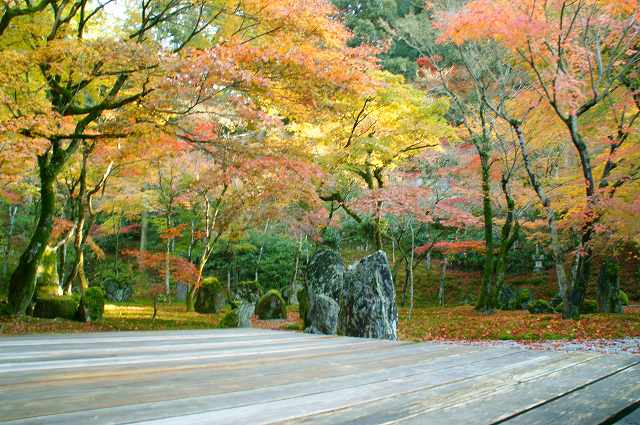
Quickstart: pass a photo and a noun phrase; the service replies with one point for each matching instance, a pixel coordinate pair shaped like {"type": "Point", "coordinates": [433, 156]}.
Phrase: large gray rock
{"type": "Point", "coordinates": [368, 304]}
{"type": "Point", "coordinates": [320, 300]}
{"type": "Point", "coordinates": [322, 315]}
{"type": "Point", "coordinates": [245, 311]}
{"type": "Point", "coordinates": [325, 274]}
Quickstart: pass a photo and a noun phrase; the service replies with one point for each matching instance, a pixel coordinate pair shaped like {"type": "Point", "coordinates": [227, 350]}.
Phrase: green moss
{"type": "Point", "coordinates": [94, 303]}
{"type": "Point", "coordinates": [271, 306]}
{"type": "Point", "coordinates": [624, 298]}
{"type": "Point", "coordinates": [48, 280]}
{"type": "Point", "coordinates": [64, 307]}
{"type": "Point", "coordinates": [230, 320]}
{"type": "Point", "coordinates": [210, 298]}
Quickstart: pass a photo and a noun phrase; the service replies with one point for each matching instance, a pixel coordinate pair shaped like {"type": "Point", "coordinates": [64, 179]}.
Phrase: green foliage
{"type": "Point", "coordinates": [271, 306]}
{"type": "Point", "coordinates": [249, 290]}
{"type": "Point", "coordinates": [118, 283]}
{"type": "Point", "coordinates": [64, 307]}
{"type": "Point", "coordinates": [589, 307]}
{"type": "Point", "coordinates": [94, 303]}
{"type": "Point", "coordinates": [540, 306]}
{"type": "Point", "coordinates": [230, 320]}
{"type": "Point", "coordinates": [624, 298]}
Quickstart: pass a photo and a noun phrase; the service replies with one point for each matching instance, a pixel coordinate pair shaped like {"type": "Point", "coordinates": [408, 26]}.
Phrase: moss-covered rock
{"type": "Point", "coordinates": [271, 306]}
{"type": "Point", "coordinates": [64, 307]}
{"type": "Point", "coordinates": [211, 297]}
{"type": "Point", "coordinates": [94, 303]}
{"type": "Point", "coordinates": [513, 298]}
{"type": "Point", "coordinates": [239, 317]}
{"type": "Point", "coordinates": [540, 306]}
{"type": "Point", "coordinates": [248, 291]}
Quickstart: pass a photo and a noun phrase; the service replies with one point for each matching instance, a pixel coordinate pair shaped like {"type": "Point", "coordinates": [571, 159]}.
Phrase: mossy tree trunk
{"type": "Point", "coordinates": [23, 280]}
{"type": "Point", "coordinates": [488, 297]}
{"type": "Point", "coordinates": [609, 288]}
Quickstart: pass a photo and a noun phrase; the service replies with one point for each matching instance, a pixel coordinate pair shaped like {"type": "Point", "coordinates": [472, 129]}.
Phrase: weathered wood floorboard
{"type": "Point", "coordinates": [256, 376]}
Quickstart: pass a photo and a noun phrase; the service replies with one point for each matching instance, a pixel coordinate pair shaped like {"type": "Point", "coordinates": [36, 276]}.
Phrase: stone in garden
{"type": "Point", "coordinates": [368, 303]}
{"type": "Point", "coordinates": [210, 297]}
{"type": "Point", "coordinates": [325, 274]}
{"type": "Point", "coordinates": [322, 316]}
{"type": "Point", "coordinates": [239, 317]}
{"type": "Point", "coordinates": [271, 306]}
{"type": "Point", "coordinates": [181, 292]}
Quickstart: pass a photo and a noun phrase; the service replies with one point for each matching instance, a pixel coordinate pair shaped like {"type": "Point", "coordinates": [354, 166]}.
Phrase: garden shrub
{"type": "Point", "coordinates": [624, 298]}
{"type": "Point", "coordinates": [271, 306]}
{"type": "Point", "coordinates": [64, 307]}
{"type": "Point", "coordinates": [230, 320]}
{"type": "Point", "coordinates": [589, 307]}
{"type": "Point", "coordinates": [540, 306]}
{"type": "Point", "coordinates": [94, 303]}
{"type": "Point", "coordinates": [249, 291]}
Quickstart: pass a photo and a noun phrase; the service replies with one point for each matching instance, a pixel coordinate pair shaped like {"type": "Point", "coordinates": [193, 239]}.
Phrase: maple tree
{"type": "Point", "coordinates": [577, 56]}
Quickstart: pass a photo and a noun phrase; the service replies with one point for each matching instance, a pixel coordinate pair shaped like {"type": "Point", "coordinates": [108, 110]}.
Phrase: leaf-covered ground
{"type": "Point", "coordinates": [439, 324]}
{"type": "Point", "coordinates": [463, 323]}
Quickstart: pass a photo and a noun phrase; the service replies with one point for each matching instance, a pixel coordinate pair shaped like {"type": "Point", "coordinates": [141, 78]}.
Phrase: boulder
{"type": "Point", "coordinates": [320, 298]}
{"type": "Point", "coordinates": [210, 297]}
{"type": "Point", "coordinates": [271, 306]}
{"type": "Point", "coordinates": [368, 302]}
{"type": "Point", "coordinates": [239, 317]}
{"type": "Point", "coordinates": [322, 315]}
{"type": "Point", "coordinates": [325, 274]}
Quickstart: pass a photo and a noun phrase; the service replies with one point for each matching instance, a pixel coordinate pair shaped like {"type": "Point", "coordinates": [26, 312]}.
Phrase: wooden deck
{"type": "Point", "coordinates": [252, 376]}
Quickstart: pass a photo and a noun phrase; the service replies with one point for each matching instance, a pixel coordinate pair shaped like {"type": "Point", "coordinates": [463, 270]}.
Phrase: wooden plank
{"type": "Point", "coordinates": [416, 404]}
{"type": "Point", "coordinates": [488, 403]}
{"type": "Point", "coordinates": [289, 393]}
{"type": "Point", "coordinates": [53, 397]}
{"type": "Point", "coordinates": [595, 403]}
{"type": "Point", "coordinates": [632, 418]}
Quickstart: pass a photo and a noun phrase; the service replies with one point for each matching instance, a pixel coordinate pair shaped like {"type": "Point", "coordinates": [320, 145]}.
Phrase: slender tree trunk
{"type": "Point", "coordinates": [609, 288]}
{"type": "Point", "coordinates": [144, 227]}
{"type": "Point", "coordinates": [411, 292]}
{"type": "Point", "coordinates": [443, 273]}
{"type": "Point", "coordinates": [13, 212]}
{"type": "Point", "coordinates": [556, 247]}
{"type": "Point", "coordinates": [427, 262]}
{"type": "Point", "coordinates": [167, 268]}
{"type": "Point", "coordinates": [23, 280]}
{"type": "Point", "coordinates": [488, 298]}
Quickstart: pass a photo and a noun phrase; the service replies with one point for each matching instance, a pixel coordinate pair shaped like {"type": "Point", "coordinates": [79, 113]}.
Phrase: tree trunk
{"type": "Point", "coordinates": [144, 226]}
{"type": "Point", "coordinates": [427, 262]}
{"type": "Point", "coordinates": [443, 273]}
{"type": "Point", "coordinates": [609, 288]}
{"type": "Point", "coordinates": [488, 298]}
{"type": "Point", "coordinates": [556, 247]}
{"type": "Point", "coordinates": [190, 300]}
{"type": "Point", "coordinates": [23, 279]}
{"type": "Point", "coordinates": [413, 241]}
{"type": "Point", "coordinates": [13, 212]}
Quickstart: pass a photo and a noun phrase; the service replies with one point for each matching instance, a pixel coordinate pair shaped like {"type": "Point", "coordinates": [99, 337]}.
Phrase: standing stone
{"type": "Point", "coordinates": [368, 303]}
{"type": "Point", "coordinates": [245, 311]}
{"type": "Point", "coordinates": [271, 306]}
{"type": "Point", "coordinates": [323, 315]}
{"type": "Point", "coordinates": [320, 299]}
{"type": "Point", "coordinates": [181, 292]}
{"type": "Point", "coordinates": [325, 274]}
